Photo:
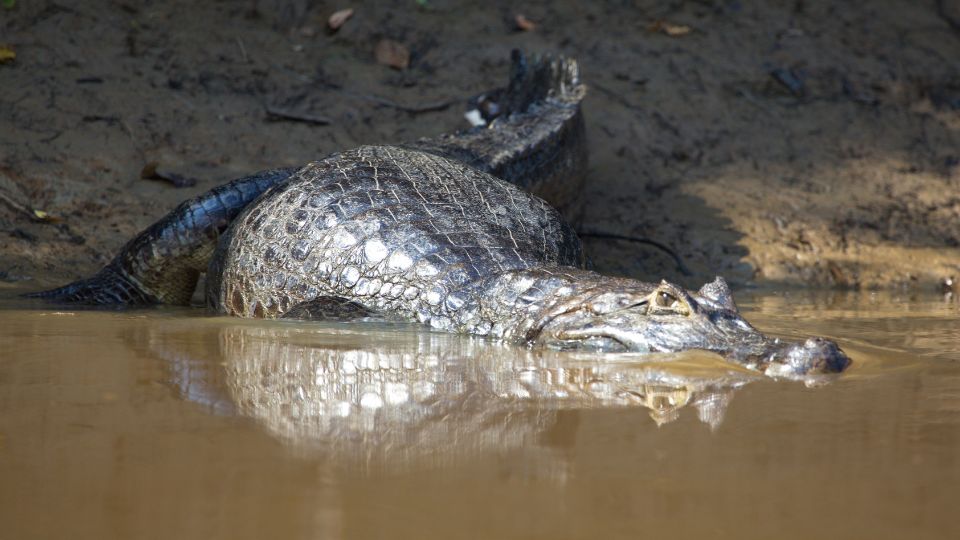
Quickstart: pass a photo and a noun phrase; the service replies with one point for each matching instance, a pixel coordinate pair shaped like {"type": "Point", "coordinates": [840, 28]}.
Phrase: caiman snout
{"type": "Point", "coordinates": [668, 318]}
{"type": "Point", "coordinates": [815, 355]}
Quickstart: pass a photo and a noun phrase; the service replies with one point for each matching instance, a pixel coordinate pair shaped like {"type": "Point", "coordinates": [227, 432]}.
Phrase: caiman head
{"type": "Point", "coordinates": [667, 318]}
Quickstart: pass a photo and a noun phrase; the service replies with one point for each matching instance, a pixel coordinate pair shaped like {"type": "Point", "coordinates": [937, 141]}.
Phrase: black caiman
{"type": "Point", "coordinates": [447, 231]}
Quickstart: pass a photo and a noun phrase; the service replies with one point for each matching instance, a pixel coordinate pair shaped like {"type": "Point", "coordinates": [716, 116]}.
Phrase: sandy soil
{"type": "Point", "coordinates": [775, 143]}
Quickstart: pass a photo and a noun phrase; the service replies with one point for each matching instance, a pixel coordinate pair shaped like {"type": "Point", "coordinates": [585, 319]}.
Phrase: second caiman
{"type": "Point", "coordinates": [449, 232]}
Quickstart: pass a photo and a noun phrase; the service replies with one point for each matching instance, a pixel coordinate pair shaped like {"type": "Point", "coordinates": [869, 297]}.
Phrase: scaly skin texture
{"type": "Point", "coordinates": [425, 232]}
{"type": "Point", "coordinates": [420, 237]}
{"type": "Point", "coordinates": [162, 263]}
{"type": "Point", "coordinates": [398, 230]}
{"type": "Point", "coordinates": [537, 141]}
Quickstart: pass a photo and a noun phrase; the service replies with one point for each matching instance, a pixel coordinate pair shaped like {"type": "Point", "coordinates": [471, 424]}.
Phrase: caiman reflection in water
{"type": "Point", "coordinates": [401, 397]}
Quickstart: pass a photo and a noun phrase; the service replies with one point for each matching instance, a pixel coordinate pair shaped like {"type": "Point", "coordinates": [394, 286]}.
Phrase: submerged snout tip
{"type": "Point", "coordinates": [816, 355]}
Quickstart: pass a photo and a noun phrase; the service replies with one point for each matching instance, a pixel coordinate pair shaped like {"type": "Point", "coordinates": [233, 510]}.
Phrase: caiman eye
{"type": "Point", "coordinates": [666, 301]}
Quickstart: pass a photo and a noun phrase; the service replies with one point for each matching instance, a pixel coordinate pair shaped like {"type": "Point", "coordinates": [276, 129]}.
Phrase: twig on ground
{"type": "Point", "coordinates": [427, 107]}
{"type": "Point", "coordinates": [380, 100]}
{"type": "Point", "coordinates": [243, 51]}
{"type": "Point", "coordinates": [285, 114]}
{"type": "Point", "coordinates": [616, 96]}
{"type": "Point", "coordinates": [638, 240]}
{"type": "Point", "coordinates": [32, 213]}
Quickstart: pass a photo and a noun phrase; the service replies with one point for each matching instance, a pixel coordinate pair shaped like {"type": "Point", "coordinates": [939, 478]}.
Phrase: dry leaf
{"type": "Point", "coordinates": [670, 29]}
{"type": "Point", "coordinates": [338, 18]}
{"type": "Point", "coordinates": [523, 23]}
{"type": "Point", "coordinates": [40, 215]}
{"type": "Point", "coordinates": [7, 54]}
{"type": "Point", "coordinates": [393, 54]}
{"type": "Point", "coordinates": [152, 171]}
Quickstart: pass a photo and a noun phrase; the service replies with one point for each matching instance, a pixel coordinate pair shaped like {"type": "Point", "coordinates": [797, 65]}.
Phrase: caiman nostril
{"type": "Point", "coordinates": [835, 360]}
{"type": "Point", "coordinates": [815, 355]}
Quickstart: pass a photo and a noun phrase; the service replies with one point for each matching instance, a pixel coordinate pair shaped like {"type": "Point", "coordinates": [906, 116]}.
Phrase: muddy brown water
{"type": "Point", "coordinates": [168, 423]}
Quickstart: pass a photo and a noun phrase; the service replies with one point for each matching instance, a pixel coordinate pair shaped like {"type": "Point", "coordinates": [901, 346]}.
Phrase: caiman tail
{"type": "Point", "coordinates": [162, 263]}
{"type": "Point", "coordinates": [535, 138]}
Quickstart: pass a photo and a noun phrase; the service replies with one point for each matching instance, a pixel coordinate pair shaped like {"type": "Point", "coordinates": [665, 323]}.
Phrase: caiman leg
{"type": "Point", "coordinates": [162, 263]}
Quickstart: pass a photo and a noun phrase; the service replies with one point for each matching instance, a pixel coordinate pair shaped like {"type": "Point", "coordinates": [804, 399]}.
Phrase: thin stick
{"type": "Point", "coordinates": [615, 96]}
{"type": "Point", "coordinates": [32, 213]}
{"type": "Point", "coordinates": [284, 114]}
{"type": "Point", "coordinates": [415, 109]}
{"type": "Point", "coordinates": [243, 52]}
{"type": "Point", "coordinates": [662, 247]}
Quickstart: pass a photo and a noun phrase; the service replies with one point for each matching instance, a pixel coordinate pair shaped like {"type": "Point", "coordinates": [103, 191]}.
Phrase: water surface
{"type": "Point", "coordinates": [168, 423]}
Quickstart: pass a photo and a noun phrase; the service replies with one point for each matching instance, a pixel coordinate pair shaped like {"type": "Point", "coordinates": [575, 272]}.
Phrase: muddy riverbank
{"type": "Point", "coordinates": [775, 143]}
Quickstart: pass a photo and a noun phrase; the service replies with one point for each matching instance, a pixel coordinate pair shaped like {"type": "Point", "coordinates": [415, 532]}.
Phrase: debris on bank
{"type": "Point", "coordinates": [668, 28]}
{"type": "Point", "coordinates": [524, 24]}
{"type": "Point", "coordinates": [7, 54]}
{"type": "Point", "coordinates": [339, 18]}
{"type": "Point", "coordinates": [152, 171]}
{"type": "Point", "coordinates": [392, 53]}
